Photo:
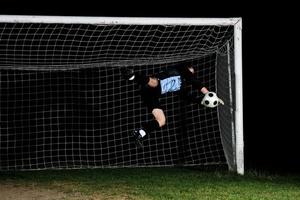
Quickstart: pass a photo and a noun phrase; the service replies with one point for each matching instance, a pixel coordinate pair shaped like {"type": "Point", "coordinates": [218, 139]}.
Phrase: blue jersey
{"type": "Point", "coordinates": [171, 80]}
{"type": "Point", "coordinates": [170, 84]}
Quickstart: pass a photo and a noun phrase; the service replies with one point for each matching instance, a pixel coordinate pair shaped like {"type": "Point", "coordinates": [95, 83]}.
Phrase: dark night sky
{"type": "Point", "coordinates": [269, 66]}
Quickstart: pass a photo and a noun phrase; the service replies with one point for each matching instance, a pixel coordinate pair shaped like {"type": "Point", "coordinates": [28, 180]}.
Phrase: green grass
{"type": "Point", "coordinates": [161, 183]}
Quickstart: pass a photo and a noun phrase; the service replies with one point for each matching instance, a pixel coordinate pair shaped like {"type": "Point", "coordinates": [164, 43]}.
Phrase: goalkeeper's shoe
{"type": "Point", "coordinates": [128, 74]}
{"type": "Point", "coordinates": [138, 137]}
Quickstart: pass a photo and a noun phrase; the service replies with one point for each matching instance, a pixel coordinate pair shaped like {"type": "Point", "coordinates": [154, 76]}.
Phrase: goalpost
{"type": "Point", "coordinates": [63, 103]}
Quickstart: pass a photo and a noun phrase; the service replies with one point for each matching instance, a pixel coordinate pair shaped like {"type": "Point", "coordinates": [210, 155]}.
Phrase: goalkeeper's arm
{"type": "Point", "coordinates": [204, 90]}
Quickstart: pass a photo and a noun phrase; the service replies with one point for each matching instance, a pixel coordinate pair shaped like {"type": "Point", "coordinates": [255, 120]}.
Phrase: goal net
{"type": "Point", "coordinates": [64, 104]}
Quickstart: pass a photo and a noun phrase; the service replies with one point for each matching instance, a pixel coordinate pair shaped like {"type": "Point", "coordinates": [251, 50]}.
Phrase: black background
{"type": "Point", "coordinates": [270, 44]}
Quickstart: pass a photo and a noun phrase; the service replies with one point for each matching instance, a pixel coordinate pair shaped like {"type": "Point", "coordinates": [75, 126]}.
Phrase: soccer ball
{"type": "Point", "coordinates": [211, 100]}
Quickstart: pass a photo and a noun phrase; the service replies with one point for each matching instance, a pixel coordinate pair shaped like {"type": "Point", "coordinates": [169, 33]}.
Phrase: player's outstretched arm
{"type": "Point", "coordinates": [204, 90]}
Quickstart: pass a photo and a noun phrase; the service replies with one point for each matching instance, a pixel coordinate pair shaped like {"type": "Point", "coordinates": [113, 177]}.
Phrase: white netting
{"type": "Point", "coordinates": [64, 105]}
{"type": "Point", "coordinates": [64, 46]}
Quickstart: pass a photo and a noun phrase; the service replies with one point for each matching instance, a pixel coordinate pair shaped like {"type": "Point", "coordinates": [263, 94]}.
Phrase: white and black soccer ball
{"type": "Point", "coordinates": [211, 100]}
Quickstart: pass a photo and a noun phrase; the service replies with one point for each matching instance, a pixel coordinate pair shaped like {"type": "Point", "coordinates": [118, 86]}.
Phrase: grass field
{"type": "Point", "coordinates": [146, 183]}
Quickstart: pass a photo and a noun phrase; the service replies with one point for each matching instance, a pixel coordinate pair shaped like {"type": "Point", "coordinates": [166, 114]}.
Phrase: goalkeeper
{"type": "Point", "coordinates": [177, 78]}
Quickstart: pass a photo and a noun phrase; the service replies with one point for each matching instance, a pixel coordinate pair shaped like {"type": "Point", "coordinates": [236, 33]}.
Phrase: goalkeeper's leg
{"type": "Point", "coordinates": [155, 124]}
{"type": "Point", "coordinates": [152, 103]}
{"type": "Point", "coordinates": [130, 75]}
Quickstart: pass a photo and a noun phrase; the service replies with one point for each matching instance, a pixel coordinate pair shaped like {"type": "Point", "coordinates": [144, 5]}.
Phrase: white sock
{"type": "Point", "coordinates": [142, 132]}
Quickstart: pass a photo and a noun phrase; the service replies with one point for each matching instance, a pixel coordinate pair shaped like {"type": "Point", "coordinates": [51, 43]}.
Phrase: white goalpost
{"type": "Point", "coordinates": [63, 103]}
{"type": "Point", "coordinates": [239, 97]}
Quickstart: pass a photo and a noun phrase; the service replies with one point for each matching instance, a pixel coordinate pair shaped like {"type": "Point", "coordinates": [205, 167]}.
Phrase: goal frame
{"type": "Point", "coordinates": [236, 22]}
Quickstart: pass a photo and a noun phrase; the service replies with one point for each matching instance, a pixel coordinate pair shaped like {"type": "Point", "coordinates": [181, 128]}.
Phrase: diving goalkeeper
{"type": "Point", "coordinates": [176, 78]}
